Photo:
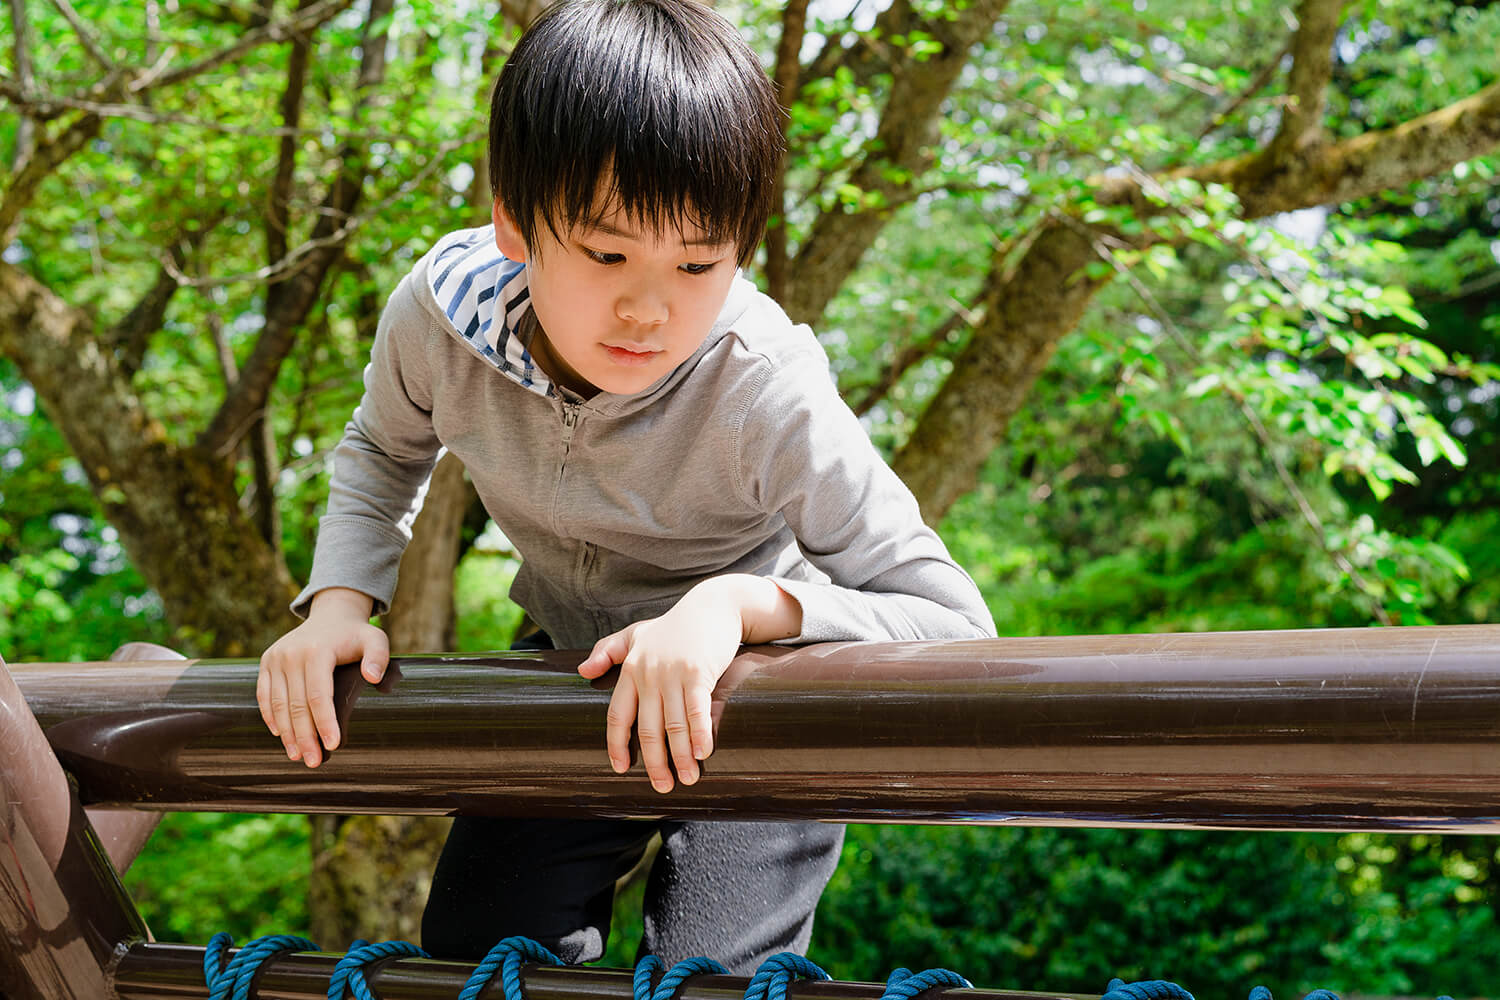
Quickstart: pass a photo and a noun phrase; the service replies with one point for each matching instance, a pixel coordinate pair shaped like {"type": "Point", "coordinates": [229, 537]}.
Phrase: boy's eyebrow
{"type": "Point", "coordinates": [608, 229]}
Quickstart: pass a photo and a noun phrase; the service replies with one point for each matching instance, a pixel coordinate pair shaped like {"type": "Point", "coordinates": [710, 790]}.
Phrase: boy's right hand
{"type": "Point", "coordinates": [295, 686]}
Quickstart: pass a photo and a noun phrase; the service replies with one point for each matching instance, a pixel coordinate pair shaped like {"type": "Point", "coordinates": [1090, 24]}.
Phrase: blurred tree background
{"type": "Point", "coordinates": [1175, 316]}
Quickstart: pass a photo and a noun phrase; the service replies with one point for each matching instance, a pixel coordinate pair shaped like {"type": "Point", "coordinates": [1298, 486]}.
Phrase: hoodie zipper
{"type": "Point", "coordinates": [581, 566]}
{"type": "Point", "coordinates": [569, 425]}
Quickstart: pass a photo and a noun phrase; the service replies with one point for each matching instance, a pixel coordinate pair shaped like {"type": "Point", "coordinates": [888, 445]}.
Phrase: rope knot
{"type": "Point", "coordinates": [507, 957]}
{"type": "Point", "coordinates": [775, 973]}
{"type": "Point", "coordinates": [351, 973]}
{"type": "Point", "coordinates": [904, 984]}
{"type": "Point", "coordinates": [1146, 989]}
{"type": "Point", "coordinates": [671, 980]}
{"type": "Point", "coordinates": [232, 981]}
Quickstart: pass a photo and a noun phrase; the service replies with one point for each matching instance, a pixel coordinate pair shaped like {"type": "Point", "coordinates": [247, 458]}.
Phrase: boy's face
{"type": "Point", "coordinates": [619, 307]}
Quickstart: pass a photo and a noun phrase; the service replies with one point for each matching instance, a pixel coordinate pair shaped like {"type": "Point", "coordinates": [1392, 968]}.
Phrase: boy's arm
{"type": "Point", "coordinates": [805, 456]}
{"type": "Point", "coordinates": [386, 454]}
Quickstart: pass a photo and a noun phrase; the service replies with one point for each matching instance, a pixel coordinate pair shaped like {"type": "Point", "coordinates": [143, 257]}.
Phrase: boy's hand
{"type": "Point", "coordinates": [669, 666]}
{"type": "Point", "coordinates": [295, 686]}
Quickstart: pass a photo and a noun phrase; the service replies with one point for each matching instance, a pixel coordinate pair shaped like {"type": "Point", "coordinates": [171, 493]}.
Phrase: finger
{"type": "Point", "coordinates": [700, 720]}
{"type": "Point", "coordinates": [319, 685]}
{"type": "Point", "coordinates": [263, 697]}
{"type": "Point", "coordinates": [606, 653]}
{"type": "Point", "coordinates": [281, 712]}
{"type": "Point", "coordinates": [648, 729]}
{"type": "Point", "coordinates": [617, 731]}
{"type": "Point", "coordinates": [377, 656]}
{"type": "Point", "coordinates": [303, 730]}
{"type": "Point", "coordinates": [674, 722]}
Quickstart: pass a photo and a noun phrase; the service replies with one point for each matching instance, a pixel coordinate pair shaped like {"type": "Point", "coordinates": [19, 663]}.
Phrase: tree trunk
{"type": "Point", "coordinates": [221, 584]}
{"type": "Point", "coordinates": [370, 874]}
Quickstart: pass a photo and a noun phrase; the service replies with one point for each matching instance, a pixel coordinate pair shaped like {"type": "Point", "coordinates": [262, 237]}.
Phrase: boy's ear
{"type": "Point", "coordinates": [507, 237]}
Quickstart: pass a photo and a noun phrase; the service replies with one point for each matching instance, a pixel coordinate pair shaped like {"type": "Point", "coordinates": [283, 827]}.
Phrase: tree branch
{"type": "Point", "coordinates": [278, 213]}
{"type": "Point", "coordinates": [1044, 298]}
{"type": "Point", "coordinates": [970, 315]}
{"type": "Point", "coordinates": [1364, 165]}
{"type": "Point", "coordinates": [90, 45]}
{"type": "Point", "coordinates": [788, 72]}
{"type": "Point", "coordinates": [304, 21]}
{"type": "Point", "coordinates": [892, 160]}
{"type": "Point", "coordinates": [248, 395]}
{"type": "Point", "coordinates": [131, 333]}
{"type": "Point", "coordinates": [260, 500]}
{"type": "Point", "coordinates": [297, 258]}
{"type": "Point", "coordinates": [21, 55]}
{"type": "Point", "coordinates": [245, 15]}
{"type": "Point", "coordinates": [47, 157]}
{"type": "Point", "coordinates": [1262, 77]}
{"type": "Point", "coordinates": [45, 107]}
{"type": "Point", "coordinates": [868, 54]}
{"type": "Point", "coordinates": [1307, 86]}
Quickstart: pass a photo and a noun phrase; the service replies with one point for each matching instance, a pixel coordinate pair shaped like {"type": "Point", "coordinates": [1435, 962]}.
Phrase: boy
{"type": "Point", "coordinates": [663, 447]}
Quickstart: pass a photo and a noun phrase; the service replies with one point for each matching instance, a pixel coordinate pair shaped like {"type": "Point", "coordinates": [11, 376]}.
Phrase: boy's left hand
{"type": "Point", "coordinates": [669, 666]}
{"type": "Point", "coordinates": [668, 669]}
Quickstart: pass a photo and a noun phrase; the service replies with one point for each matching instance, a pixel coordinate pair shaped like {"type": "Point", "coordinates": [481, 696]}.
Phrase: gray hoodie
{"type": "Point", "coordinates": [742, 460]}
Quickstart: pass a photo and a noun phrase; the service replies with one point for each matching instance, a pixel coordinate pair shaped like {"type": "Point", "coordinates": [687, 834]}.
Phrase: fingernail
{"type": "Point", "coordinates": [700, 751]}
{"type": "Point", "coordinates": [688, 777]}
{"type": "Point", "coordinates": [618, 765]}
{"type": "Point", "coordinates": [662, 785]}
{"type": "Point", "coordinates": [293, 753]}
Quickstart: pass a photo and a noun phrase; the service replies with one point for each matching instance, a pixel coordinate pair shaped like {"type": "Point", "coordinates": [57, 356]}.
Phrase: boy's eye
{"type": "Point", "coordinates": [602, 258]}
{"type": "Point", "coordinates": [698, 268]}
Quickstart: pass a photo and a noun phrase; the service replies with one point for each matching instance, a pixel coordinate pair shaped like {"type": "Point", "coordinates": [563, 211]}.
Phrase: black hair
{"type": "Point", "coordinates": [664, 95]}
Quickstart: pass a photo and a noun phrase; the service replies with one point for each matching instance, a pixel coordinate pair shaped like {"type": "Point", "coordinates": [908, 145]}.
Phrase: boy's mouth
{"type": "Point", "coordinates": [629, 356]}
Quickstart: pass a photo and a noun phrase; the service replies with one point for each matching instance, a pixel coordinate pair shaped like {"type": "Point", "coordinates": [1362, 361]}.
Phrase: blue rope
{"type": "Point", "coordinates": [232, 981]}
{"type": "Point", "coordinates": [1262, 993]}
{"type": "Point", "coordinates": [507, 957]}
{"type": "Point", "coordinates": [1147, 989]}
{"type": "Point", "coordinates": [904, 984]}
{"type": "Point", "coordinates": [671, 980]}
{"type": "Point", "coordinates": [640, 984]}
{"type": "Point", "coordinates": [771, 979]}
{"type": "Point", "coordinates": [351, 973]}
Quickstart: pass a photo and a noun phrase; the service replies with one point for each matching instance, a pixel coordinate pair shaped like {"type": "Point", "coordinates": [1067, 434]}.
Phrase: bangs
{"type": "Point", "coordinates": [651, 107]}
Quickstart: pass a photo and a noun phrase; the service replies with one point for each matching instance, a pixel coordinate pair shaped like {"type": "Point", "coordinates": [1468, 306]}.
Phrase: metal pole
{"type": "Point", "coordinates": [64, 917]}
{"type": "Point", "coordinates": [1395, 729]}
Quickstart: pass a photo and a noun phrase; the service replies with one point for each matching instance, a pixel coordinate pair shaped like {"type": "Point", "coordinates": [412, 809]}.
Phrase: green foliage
{"type": "Point", "coordinates": [67, 590]}
{"type": "Point", "coordinates": [1066, 910]}
{"type": "Point", "coordinates": [207, 872]}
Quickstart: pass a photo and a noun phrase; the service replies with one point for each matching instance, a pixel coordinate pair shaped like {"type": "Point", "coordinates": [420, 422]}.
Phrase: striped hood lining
{"type": "Point", "coordinates": [475, 285]}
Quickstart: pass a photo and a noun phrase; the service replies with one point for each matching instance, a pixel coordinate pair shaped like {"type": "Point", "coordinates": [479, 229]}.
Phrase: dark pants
{"type": "Point", "coordinates": [736, 892]}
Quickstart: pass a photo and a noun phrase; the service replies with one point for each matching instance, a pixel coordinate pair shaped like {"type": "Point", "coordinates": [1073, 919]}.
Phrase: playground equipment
{"type": "Point", "coordinates": [1390, 729]}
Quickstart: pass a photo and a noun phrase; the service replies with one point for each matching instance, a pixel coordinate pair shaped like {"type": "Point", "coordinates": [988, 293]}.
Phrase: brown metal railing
{"type": "Point", "coordinates": [1395, 729]}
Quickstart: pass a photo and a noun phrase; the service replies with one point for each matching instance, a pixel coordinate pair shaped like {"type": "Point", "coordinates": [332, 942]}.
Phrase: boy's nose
{"type": "Point", "coordinates": [643, 306]}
